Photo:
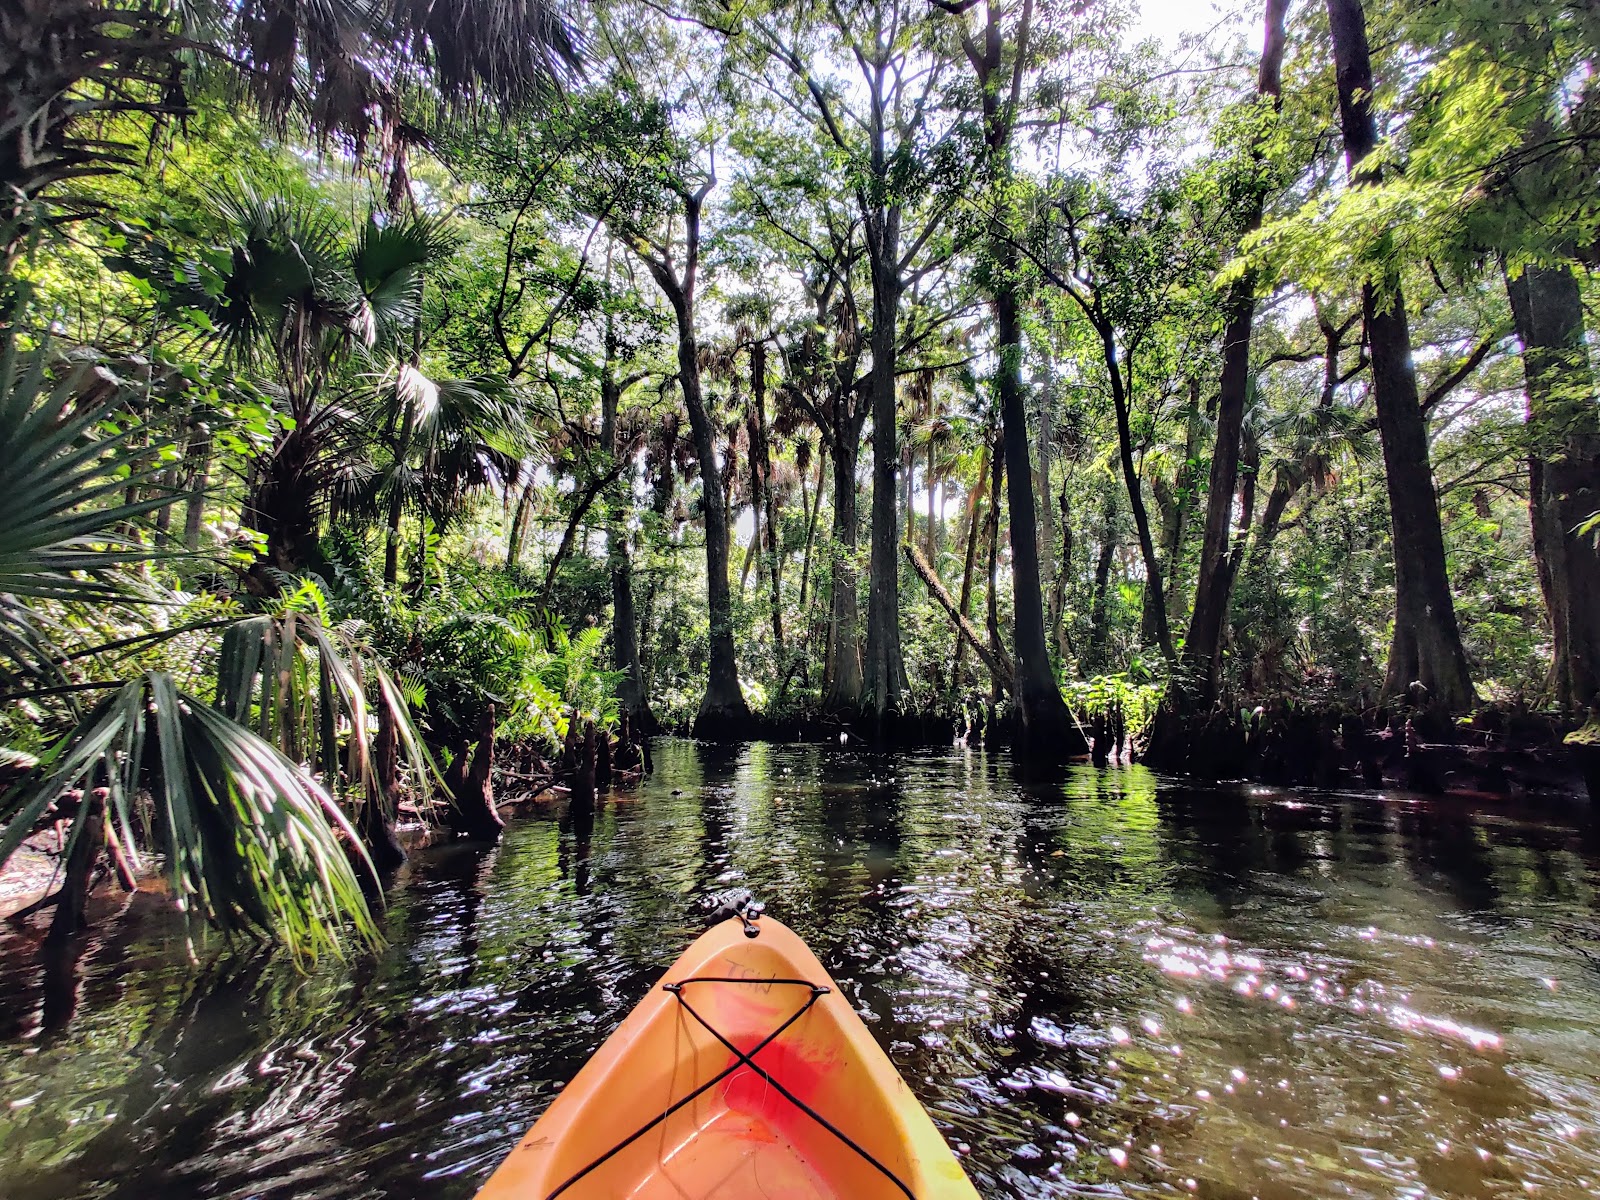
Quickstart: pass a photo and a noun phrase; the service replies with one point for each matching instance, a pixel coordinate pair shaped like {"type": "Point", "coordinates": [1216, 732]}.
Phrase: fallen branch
{"type": "Point", "coordinates": [1000, 668]}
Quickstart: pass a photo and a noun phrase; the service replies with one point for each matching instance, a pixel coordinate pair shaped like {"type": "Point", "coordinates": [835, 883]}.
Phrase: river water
{"type": "Point", "coordinates": [1103, 983]}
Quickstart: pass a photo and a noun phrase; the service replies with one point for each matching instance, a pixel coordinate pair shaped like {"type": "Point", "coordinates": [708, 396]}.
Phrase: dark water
{"type": "Point", "coordinates": [1106, 985]}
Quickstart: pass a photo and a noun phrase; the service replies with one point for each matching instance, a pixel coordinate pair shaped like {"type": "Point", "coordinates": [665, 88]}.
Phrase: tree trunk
{"type": "Point", "coordinates": [77, 878]}
{"type": "Point", "coordinates": [473, 812]}
{"type": "Point", "coordinates": [760, 451]}
{"type": "Point", "coordinates": [1177, 532]}
{"type": "Point", "coordinates": [376, 824]}
{"type": "Point", "coordinates": [1099, 623]}
{"type": "Point", "coordinates": [1214, 588]}
{"type": "Point", "coordinates": [194, 513]}
{"type": "Point", "coordinates": [845, 677]}
{"type": "Point", "coordinates": [1563, 471]}
{"type": "Point", "coordinates": [1154, 596]}
{"type": "Point", "coordinates": [519, 525]}
{"type": "Point", "coordinates": [997, 471]}
{"type": "Point", "coordinates": [883, 668]}
{"type": "Point", "coordinates": [624, 621]}
{"type": "Point", "coordinates": [1046, 725]}
{"type": "Point", "coordinates": [814, 509]}
{"type": "Point", "coordinates": [964, 607]}
{"type": "Point", "coordinates": [391, 542]}
{"type": "Point", "coordinates": [1047, 533]}
{"type": "Point", "coordinates": [723, 713]}
{"type": "Point", "coordinates": [965, 631]}
{"type": "Point", "coordinates": [1427, 644]}
{"type": "Point", "coordinates": [1058, 595]}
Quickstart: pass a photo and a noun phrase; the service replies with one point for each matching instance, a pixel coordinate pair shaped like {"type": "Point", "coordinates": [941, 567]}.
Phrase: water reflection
{"type": "Point", "coordinates": [1097, 982]}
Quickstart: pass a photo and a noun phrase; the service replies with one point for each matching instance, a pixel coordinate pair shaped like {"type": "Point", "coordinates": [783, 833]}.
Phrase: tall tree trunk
{"type": "Point", "coordinates": [964, 605]}
{"type": "Point", "coordinates": [1214, 587]}
{"type": "Point", "coordinates": [883, 668]}
{"type": "Point", "coordinates": [376, 819]}
{"type": "Point", "coordinates": [1046, 724]}
{"type": "Point", "coordinates": [813, 509]}
{"type": "Point", "coordinates": [761, 452]}
{"type": "Point", "coordinates": [1427, 643]}
{"type": "Point", "coordinates": [997, 471]}
{"type": "Point", "coordinates": [1058, 594]}
{"type": "Point", "coordinates": [624, 621]}
{"type": "Point", "coordinates": [723, 712]}
{"type": "Point", "coordinates": [194, 513]}
{"type": "Point", "coordinates": [1047, 533]}
{"type": "Point", "coordinates": [1099, 622]}
{"type": "Point", "coordinates": [391, 542]}
{"type": "Point", "coordinates": [1154, 595]}
{"type": "Point", "coordinates": [1563, 470]}
{"type": "Point", "coordinates": [1177, 532]}
{"type": "Point", "coordinates": [519, 525]}
{"type": "Point", "coordinates": [845, 676]}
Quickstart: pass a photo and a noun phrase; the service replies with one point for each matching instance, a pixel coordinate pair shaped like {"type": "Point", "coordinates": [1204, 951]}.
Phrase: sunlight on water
{"type": "Point", "coordinates": [1099, 983]}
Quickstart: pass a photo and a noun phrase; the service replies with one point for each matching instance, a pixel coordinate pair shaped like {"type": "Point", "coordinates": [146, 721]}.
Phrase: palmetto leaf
{"type": "Point", "coordinates": [251, 843]}
{"type": "Point", "coordinates": [66, 526]}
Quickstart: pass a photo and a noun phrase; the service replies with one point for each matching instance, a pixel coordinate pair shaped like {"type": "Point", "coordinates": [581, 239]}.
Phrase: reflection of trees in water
{"type": "Point", "coordinates": [994, 929]}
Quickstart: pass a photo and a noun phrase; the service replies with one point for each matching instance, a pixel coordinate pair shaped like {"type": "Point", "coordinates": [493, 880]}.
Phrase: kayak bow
{"type": "Point", "coordinates": [743, 1073]}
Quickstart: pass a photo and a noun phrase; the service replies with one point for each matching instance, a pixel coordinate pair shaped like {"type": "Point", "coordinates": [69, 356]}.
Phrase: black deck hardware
{"type": "Point", "coordinates": [735, 902]}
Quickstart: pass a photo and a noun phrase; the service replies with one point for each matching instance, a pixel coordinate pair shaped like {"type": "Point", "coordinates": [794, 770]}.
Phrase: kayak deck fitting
{"type": "Point", "coordinates": [742, 1073]}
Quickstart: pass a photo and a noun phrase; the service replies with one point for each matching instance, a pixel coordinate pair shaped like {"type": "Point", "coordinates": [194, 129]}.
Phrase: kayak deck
{"type": "Point", "coordinates": [743, 1073]}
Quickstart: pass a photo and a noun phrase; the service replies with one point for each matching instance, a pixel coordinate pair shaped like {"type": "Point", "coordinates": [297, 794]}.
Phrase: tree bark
{"type": "Point", "coordinates": [974, 504]}
{"type": "Point", "coordinates": [78, 876]}
{"type": "Point", "coordinates": [1099, 624]}
{"type": "Point", "coordinates": [1427, 643]}
{"type": "Point", "coordinates": [1563, 424]}
{"type": "Point", "coordinates": [761, 452]}
{"type": "Point", "coordinates": [997, 470]}
{"type": "Point", "coordinates": [624, 621]}
{"type": "Point", "coordinates": [1154, 595]}
{"type": "Point", "coordinates": [1046, 724]}
{"type": "Point", "coordinates": [883, 668]}
{"type": "Point", "coordinates": [845, 677]}
{"type": "Point", "coordinates": [1214, 586]}
{"type": "Point", "coordinates": [723, 712]}
{"type": "Point", "coordinates": [966, 632]}
{"type": "Point", "coordinates": [377, 810]}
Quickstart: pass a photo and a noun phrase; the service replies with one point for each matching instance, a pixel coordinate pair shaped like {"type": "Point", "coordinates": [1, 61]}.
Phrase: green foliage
{"type": "Point", "coordinates": [1132, 694]}
{"type": "Point", "coordinates": [251, 844]}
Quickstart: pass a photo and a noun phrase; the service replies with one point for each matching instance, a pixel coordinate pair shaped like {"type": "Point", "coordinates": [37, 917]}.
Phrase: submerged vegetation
{"type": "Point", "coordinates": [383, 384]}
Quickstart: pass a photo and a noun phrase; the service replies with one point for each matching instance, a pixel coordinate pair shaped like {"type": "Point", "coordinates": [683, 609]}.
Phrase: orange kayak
{"type": "Point", "coordinates": [743, 1073]}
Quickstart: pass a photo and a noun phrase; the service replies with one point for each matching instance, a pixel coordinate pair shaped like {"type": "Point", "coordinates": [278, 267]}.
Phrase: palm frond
{"type": "Point", "coordinates": [252, 844]}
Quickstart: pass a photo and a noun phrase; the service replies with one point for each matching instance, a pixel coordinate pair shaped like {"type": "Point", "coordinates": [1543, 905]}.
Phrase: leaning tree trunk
{"type": "Point", "coordinates": [1214, 587]}
{"type": "Point", "coordinates": [1427, 643]}
{"type": "Point", "coordinates": [1563, 470]}
{"type": "Point", "coordinates": [1046, 725]}
{"type": "Point", "coordinates": [1154, 595]}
